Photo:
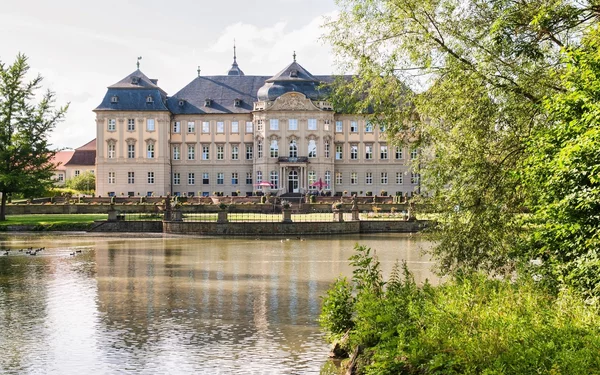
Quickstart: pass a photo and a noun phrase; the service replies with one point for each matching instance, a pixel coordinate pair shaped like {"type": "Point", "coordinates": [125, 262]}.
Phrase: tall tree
{"type": "Point", "coordinates": [480, 70]}
{"type": "Point", "coordinates": [25, 124]}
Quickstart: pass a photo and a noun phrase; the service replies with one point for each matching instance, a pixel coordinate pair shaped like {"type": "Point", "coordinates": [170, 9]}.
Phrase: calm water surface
{"type": "Point", "coordinates": [127, 304]}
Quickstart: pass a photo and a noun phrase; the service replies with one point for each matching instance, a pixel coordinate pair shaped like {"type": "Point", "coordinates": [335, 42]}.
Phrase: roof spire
{"type": "Point", "coordinates": [294, 56]}
{"type": "Point", "coordinates": [235, 69]}
{"type": "Point", "coordinates": [138, 61]}
{"type": "Point", "coordinates": [234, 56]}
{"type": "Point", "coordinates": [198, 70]}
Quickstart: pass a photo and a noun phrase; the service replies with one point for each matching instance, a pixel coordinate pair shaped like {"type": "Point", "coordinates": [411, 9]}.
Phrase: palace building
{"type": "Point", "coordinates": [234, 133]}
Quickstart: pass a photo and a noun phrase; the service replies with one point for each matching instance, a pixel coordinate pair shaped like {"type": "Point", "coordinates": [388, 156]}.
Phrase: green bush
{"type": "Point", "coordinates": [470, 325]}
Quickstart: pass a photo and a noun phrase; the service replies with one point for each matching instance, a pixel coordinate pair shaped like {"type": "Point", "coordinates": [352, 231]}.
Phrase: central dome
{"type": "Point", "coordinates": [293, 78]}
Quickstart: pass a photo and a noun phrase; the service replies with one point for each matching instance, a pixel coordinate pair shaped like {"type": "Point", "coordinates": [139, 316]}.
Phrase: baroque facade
{"type": "Point", "coordinates": [235, 134]}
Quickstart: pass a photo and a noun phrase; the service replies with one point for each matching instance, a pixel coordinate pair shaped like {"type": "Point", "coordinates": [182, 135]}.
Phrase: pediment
{"type": "Point", "coordinates": [293, 101]}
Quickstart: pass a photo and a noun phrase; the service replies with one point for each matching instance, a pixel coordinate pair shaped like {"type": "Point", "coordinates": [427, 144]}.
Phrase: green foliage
{"type": "Point", "coordinates": [563, 176]}
{"type": "Point", "coordinates": [85, 182]}
{"type": "Point", "coordinates": [469, 325]}
{"type": "Point", "coordinates": [480, 72]}
{"type": "Point", "coordinates": [24, 131]}
{"type": "Point", "coordinates": [336, 313]}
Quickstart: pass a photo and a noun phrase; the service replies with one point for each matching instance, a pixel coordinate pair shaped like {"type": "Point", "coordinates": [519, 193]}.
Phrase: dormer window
{"type": "Point", "coordinates": [237, 102]}
{"type": "Point", "coordinates": [293, 73]}
{"type": "Point", "coordinates": [149, 99]}
{"type": "Point", "coordinates": [181, 103]}
{"type": "Point", "coordinates": [207, 102]}
{"type": "Point", "coordinates": [114, 99]}
{"type": "Point", "coordinates": [135, 80]}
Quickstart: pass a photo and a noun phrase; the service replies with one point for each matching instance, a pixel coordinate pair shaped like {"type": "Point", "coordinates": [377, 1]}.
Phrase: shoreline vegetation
{"type": "Point", "coordinates": [472, 324]}
{"type": "Point", "coordinates": [50, 222]}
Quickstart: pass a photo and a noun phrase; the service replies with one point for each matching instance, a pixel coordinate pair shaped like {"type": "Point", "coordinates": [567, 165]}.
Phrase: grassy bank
{"type": "Point", "coordinates": [50, 222]}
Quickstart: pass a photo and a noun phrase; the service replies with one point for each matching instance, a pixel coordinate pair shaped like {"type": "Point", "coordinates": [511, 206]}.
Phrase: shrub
{"type": "Point", "coordinates": [369, 193]}
{"type": "Point", "coordinates": [472, 324]}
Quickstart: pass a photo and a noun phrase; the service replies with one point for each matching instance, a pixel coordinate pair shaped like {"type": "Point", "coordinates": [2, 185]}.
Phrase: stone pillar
{"type": "Point", "coordinates": [338, 215]}
{"type": "Point", "coordinates": [287, 215]}
{"type": "Point", "coordinates": [222, 217]}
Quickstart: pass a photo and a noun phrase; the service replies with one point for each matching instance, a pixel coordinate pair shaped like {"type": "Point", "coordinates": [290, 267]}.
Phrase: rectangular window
{"type": "Point", "coordinates": [191, 178]}
{"type": "Point", "coordinates": [77, 172]}
{"type": "Point", "coordinates": [384, 178]}
{"type": "Point", "coordinates": [258, 177]}
{"type": "Point", "coordinates": [205, 178]}
{"type": "Point", "coordinates": [150, 150]}
{"type": "Point", "coordinates": [111, 150]}
{"type": "Point", "coordinates": [312, 148]}
{"type": "Point", "coordinates": [273, 124]}
{"type": "Point", "coordinates": [353, 178]}
{"type": "Point", "coordinates": [312, 179]}
{"type": "Point", "coordinates": [150, 177]}
{"type": "Point", "coordinates": [274, 149]}
{"type": "Point", "coordinates": [205, 127]}
{"type": "Point", "coordinates": [259, 125]}
{"type": "Point", "coordinates": [234, 178]}
{"type": "Point", "coordinates": [274, 179]}
{"type": "Point", "coordinates": [130, 151]}
{"type": "Point", "coordinates": [368, 152]}
{"type": "Point", "coordinates": [248, 178]}
{"type": "Point", "coordinates": [249, 152]}
{"type": "Point", "coordinates": [249, 127]}
{"type": "Point", "coordinates": [353, 152]}
{"type": "Point", "coordinates": [191, 152]}
{"type": "Point", "coordinates": [220, 178]}
{"type": "Point", "coordinates": [191, 127]}
{"type": "Point", "coordinates": [383, 152]}
{"type": "Point", "coordinates": [235, 127]}
{"type": "Point", "coordinates": [235, 150]}
{"type": "Point", "coordinates": [413, 154]}
{"type": "Point", "coordinates": [327, 180]}
{"type": "Point", "coordinates": [399, 178]}
{"type": "Point", "coordinates": [205, 152]}
{"type": "Point", "coordinates": [353, 127]}
{"type": "Point", "coordinates": [150, 124]}
{"type": "Point", "coordinates": [369, 178]}
{"type": "Point", "coordinates": [326, 149]}
{"type": "Point", "coordinates": [339, 126]}
{"type": "Point", "coordinates": [177, 127]}
{"type": "Point", "coordinates": [414, 178]}
{"type": "Point", "coordinates": [259, 146]}
{"type": "Point", "coordinates": [131, 177]}
{"type": "Point", "coordinates": [292, 124]}
{"type": "Point", "coordinates": [130, 124]}
{"type": "Point", "coordinates": [176, 152]}
{"type": "Point", "coordinates": [111, 177]}
{"type": "Point", "coordinates": [312, 124]}
{"type": "Point", "coordinates": [220, 127]}
{"type": "Point", "coordinates": [112, 124]}
{"type": "Point", "coordinates": [398, 153]}
{"type": "Point", "coordinates": [176, 178]}
{"type": "Point", "coordinates": [368, 127]}
{"type": "Point", "coordinates": [339, 153]}
{"type": "Point", "coordinates": [338, 178]}
{"type": "Point", "coordinates": [382, 128]}
{"type": "Point", "coordinates": [220, 152]}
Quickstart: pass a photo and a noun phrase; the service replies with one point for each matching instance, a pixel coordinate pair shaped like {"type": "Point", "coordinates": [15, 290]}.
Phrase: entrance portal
{"type": "Point", "coordinates": [293, 185]}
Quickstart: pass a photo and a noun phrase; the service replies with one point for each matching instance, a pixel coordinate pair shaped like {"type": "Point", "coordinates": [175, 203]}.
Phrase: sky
{"type": "Point", "coordinates": [81, 47]}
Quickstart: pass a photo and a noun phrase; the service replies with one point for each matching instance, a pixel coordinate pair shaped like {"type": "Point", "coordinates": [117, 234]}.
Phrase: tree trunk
{"type": "Point", "coordinates": [3, 207]}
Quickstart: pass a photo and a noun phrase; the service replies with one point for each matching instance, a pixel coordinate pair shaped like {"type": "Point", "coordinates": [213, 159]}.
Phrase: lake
{"type": "Point", "coordinates": [154, 304]}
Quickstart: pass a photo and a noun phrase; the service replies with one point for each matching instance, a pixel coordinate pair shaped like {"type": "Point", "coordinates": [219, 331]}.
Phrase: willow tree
{"type": "Point", "coordinates": [478, 70]}
{"type": "Point", "coordinates": [25, 125]}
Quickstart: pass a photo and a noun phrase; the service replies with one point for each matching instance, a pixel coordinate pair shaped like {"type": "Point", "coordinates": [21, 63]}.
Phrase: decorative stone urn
{"type": "Point", "coordinates": [287, 215]}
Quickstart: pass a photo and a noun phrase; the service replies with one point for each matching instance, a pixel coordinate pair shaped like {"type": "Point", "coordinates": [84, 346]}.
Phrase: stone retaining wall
{"type": "Point", "coordinates": [260, 228]}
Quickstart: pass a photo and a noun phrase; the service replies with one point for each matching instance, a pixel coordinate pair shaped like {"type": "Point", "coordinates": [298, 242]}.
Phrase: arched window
{"type": "Point", "coordinates": [293, 149]}
{"type": "Point", "coordinates": [274, 149]}
{"type": "Point", "coordinates": [312, 148]}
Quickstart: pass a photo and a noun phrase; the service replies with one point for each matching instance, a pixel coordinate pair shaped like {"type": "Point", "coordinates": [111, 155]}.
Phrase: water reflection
{"type": "Point", "coordinates": [175, 305]}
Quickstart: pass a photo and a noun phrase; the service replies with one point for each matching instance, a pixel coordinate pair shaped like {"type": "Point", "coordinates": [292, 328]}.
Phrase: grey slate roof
{"type": "Point", "coordinates": [132, 93]}
{"type": "Point", "coordinates": [300, 74]}
{"type": "Point", "coordinates": [222, 90]}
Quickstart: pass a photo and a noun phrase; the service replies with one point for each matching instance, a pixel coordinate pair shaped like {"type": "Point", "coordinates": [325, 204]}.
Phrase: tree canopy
{"type": "Point", "coordinates": [25, 125]}
{"type": "Point", "coordinates": [484, 77]}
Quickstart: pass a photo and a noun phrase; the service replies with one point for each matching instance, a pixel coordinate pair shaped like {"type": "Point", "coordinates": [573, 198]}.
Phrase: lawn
{"type": "Point", "coordinates": [53, 219]}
